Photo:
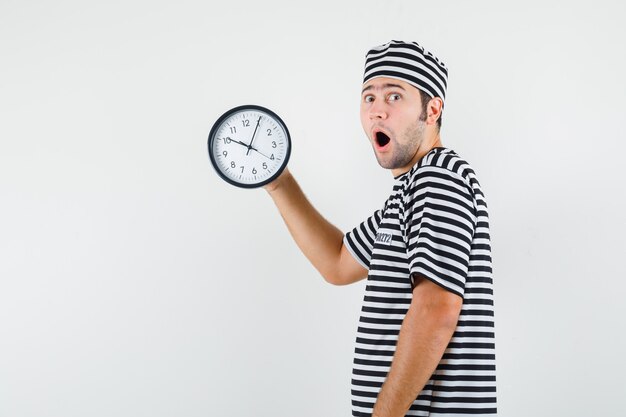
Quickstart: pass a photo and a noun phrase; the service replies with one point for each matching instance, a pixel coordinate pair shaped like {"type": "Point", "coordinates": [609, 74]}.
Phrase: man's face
{"type": "Point", "coordinates": [391, 117]}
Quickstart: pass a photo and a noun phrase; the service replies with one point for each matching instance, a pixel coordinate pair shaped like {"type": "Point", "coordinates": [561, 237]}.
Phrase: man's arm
{"type": "Point", "coordinates": [318, 239]}
{"type": "Point", "coordinates": [424, 335]}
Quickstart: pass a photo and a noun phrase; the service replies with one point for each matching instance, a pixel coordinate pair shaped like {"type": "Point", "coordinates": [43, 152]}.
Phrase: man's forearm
{"type": "Point", "coordinates": [423, 338]}
{"type": "Point", "coordinates": [316, 237]}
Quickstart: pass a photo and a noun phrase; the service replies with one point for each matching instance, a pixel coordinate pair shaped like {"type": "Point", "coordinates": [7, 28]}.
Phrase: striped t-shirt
{"type": "Point", "coordinates": [435, 225]}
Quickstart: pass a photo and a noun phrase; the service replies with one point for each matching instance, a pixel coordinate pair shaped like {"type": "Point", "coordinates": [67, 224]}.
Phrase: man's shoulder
{"type": "Point", "coordinates": [444, 164]}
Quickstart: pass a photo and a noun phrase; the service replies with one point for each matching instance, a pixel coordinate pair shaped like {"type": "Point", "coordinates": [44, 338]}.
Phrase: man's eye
{"type": "Point", "coordinates": [368, 99]}
{"type": "Point", "coordinates": [394, 97]}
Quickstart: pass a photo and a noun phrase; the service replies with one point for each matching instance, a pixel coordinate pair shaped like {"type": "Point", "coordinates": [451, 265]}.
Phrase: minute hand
{"type": "Point", "coordinates": [252, 140]}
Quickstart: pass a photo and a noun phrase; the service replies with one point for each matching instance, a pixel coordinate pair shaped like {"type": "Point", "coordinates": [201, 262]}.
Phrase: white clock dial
{"type": "Point", "coordinates": [249, 146]}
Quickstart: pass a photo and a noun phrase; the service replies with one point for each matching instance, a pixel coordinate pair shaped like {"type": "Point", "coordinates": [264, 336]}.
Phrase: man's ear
{"type": "Point", "coordinates": [434, 109]}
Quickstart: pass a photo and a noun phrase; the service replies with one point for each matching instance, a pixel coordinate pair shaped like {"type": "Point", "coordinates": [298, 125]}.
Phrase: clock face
{"type": "Point", "coordinates": [249, 146]}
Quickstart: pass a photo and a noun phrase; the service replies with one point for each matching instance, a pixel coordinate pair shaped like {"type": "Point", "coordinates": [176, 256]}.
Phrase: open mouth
{"type": "Point", "coordinates": [382, 139]}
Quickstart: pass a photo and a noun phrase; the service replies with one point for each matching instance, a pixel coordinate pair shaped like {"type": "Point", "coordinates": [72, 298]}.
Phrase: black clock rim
{"type": "Point", "coordinates": [213, 132]}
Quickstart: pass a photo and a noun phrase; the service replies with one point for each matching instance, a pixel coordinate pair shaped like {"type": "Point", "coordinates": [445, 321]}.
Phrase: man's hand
{"type": "Point", "coordinates": [272, 186]}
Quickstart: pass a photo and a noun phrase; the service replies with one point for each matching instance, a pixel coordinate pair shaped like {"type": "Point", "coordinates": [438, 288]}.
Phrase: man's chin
{"type": "Point", "coordinates": [385, 162]}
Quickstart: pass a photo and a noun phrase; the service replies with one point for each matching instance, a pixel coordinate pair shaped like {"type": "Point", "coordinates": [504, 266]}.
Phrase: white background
{"type": "Point", "coordinates": [135, 282]}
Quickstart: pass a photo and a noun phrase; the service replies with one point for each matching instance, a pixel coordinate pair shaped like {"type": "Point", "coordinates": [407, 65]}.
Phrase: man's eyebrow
{"type": "Point", "coordinates": [388, 85]}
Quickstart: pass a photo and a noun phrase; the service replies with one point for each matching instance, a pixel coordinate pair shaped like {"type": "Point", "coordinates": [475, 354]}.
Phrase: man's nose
{"type": "Point", "coordinates": [378, 110]}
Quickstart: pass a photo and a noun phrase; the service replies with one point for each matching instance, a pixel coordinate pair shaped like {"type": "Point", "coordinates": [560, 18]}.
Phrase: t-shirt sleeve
{"type": "Point", "coordinates": [439, 224]}
{"type": "Point", "coordinates": [360, 240]}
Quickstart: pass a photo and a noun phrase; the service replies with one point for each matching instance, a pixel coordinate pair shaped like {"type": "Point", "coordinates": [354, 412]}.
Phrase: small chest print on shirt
{"type": "Point", "coordinates": [383, 238]}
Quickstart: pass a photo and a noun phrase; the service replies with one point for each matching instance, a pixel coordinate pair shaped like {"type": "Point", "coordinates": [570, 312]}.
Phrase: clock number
{"type": "Point", "coordinates": [233, 129]}
{"type": "Point", "coordinates": [242, 169]}
{"type": "Point", "coordinates": [254, 171]}
{"type": "Point", "coordinates": [232, 164]}
{"type": "Point", "coordinates": [273, 144]}
{"type": "Point", "coordinates": [226, 140]}
{"type": "Point", "coordinates": [272, 157]}
{"type": "Point", "coordinates": [269, 132]}
{"type": "Point", "coordinates": [225, 154]}
{"type": "Point", "coordinates": [245, 123]}
{"type": "Point", "coordinates": [264, 165]}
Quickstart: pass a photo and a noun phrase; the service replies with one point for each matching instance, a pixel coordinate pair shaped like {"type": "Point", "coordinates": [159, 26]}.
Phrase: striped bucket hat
{"type": "Point", "coordinates": [410, 62]}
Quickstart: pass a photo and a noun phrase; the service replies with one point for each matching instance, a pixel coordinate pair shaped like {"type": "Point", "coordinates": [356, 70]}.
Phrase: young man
{"type": "Point", "coordinates": [425, 341]}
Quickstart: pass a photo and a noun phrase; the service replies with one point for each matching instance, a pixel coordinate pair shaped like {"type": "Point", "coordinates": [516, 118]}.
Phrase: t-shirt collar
{"type": "Point", "coordinates": [435, 149]}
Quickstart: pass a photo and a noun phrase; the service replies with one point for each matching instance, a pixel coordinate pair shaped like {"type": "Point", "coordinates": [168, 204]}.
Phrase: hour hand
{"type": "Point", "coordinates": [228, 139]}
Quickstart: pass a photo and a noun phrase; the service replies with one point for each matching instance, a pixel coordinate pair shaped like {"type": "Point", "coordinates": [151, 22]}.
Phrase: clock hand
{"type": "Point", "coordinates": [236, 141]}
{"type": "Point", "coordinates": [255, 149]}
{"type": "Point", "coordinates": [257, 126]}
{"type": "Point", "coordinates": [247, 146]}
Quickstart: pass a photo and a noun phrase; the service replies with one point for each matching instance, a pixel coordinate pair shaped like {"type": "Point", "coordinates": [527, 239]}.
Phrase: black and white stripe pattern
{"type": "Point", "coordinates": [435, 224]}
{"type": "Point", "coordinates": [410, 62]}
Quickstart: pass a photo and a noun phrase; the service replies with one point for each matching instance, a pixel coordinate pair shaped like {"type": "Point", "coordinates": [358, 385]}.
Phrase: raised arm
{"type": "Point", "coordinates": [318, 239]}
